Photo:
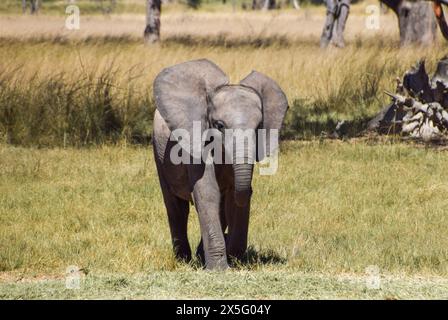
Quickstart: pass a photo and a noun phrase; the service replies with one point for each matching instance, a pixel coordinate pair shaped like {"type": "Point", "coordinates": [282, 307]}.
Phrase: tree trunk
{"type": "Point", "coordinates": [417, 23]}
{"type": "Point", "coordinates": [296, 4]}
{"type": "Point", "coordinates": [24, 6]}
{"type": "Point", "coordinates": [152, 30]}
{"type": "Point", "coordinates": [263, 4]}
{"type": "Point", "coordinates": [34, 6]}
{"type": "Point", "coordinates": [337, 14]}
{"type": "Point", "coordinates": [416, 20]}
{"type": "Point", "coordinates": [269, 5]}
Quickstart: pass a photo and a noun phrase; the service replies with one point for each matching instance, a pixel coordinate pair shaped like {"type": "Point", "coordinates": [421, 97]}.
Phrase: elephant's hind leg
{"type": "Point", "coordinates": [177, 210]}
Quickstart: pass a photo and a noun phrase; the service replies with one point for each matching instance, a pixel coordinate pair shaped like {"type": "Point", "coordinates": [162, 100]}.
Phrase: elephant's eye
{"type": "Point", "coordinates": [219, 125]}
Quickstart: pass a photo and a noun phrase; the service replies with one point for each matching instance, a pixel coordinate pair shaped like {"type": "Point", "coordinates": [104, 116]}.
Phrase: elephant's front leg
{"type": "Point", "coordinates": [238, 222]}
{"type": "Point", "coordinates": [206, 196]}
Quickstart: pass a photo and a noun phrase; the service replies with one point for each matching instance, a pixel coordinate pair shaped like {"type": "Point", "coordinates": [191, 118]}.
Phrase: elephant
{"type": "Point", "coordinates": [198, 92]}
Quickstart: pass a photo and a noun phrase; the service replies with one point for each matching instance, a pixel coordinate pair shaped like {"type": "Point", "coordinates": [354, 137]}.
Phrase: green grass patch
{"type": "Point", "coordinates": [331, 208]}
{"type": "Point", "coordinates": [228, 285]}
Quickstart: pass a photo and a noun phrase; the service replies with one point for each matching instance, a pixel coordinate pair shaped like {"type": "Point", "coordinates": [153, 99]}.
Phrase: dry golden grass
{"type": "Point", "coordinates": [322, 86]}
{"type": "Point", "coordinates": [302, 70]}
{"type": "Point", "coordinates": [302, 25]}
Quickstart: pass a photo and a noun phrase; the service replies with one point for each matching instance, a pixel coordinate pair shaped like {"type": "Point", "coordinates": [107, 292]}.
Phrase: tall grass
{"type": "Point", "coordinates": [63, 108]}
{"type": "Point", "coordinates": [82, 92]}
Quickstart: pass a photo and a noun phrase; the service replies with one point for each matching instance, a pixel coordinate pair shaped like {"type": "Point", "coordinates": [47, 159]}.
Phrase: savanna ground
{"type": "Point", "coordinates": [78, 184]}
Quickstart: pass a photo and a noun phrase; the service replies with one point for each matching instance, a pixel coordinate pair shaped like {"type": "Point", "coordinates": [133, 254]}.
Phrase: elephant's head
{"type": "Point", "coordinates": [200, 91]}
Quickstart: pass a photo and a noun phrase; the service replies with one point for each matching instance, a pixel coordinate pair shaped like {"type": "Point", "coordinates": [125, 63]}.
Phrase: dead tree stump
{"type": "Point", "coordinates": [419, 108]}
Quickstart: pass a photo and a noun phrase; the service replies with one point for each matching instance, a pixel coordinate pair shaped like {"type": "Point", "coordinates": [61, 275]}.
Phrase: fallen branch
{"type": "Point", "coordinates": [419, 108]}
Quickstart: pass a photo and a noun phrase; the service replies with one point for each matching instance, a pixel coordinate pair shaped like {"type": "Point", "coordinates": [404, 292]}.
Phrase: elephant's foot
{"type": "Point", "coordinates": [217, 264]}
{"type": "Point", "coordinates": [216, 261]}
{"type": "Point", "coordinates": [200, 251]}
{"type": "Point", "coordinates": [236, 249]}
{"type": "Point", "coordinates": [182, 253]}
{"type": "Point", "coordinates": [236, 256]}
{"type": "Point", "coordinates": [183, 256]}
{"type": "Point", "coordinates": [216, 258]}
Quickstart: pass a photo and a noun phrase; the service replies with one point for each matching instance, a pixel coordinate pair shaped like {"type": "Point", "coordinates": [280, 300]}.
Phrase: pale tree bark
{"type": "Point", "coordinates": [417, 23]}
{"type": "Point", "coordinates": [337, 14]}
{"type": "Point", "coordinates": [34, 6]}
{"type": "Point", "coordinates": [263, 4]}
{"type": "Point", "coordinates": [416, 20]}
{"type": "Point", "coordinates": [296, 4]}
{"type": "Point", "coordinates": [152, 30]}
{"type": "Point", "coordinates": [269, 5]}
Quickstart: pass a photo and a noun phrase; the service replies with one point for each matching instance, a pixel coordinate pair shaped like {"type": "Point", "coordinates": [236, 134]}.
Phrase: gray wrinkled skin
{"type": "Point", "coordinates": [199, 91]}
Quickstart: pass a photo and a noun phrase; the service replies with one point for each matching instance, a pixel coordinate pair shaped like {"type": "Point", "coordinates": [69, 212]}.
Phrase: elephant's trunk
{"type": "Point", "coordinates": [243, 170]}
{"type": "Point", "coordinates": [243, 165]}
{"type": "Point", "coordinates": [243, 183]}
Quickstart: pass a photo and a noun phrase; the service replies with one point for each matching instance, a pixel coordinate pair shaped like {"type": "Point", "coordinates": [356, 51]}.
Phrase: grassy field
{"type": "Point", "coordinates": [333, 209]}
{"type": "Point", "coordinates": [78, 184]}
{"type": "Point", "coordinates": [94, 85]}
{"type": "Point", "coordinates": [273, 284]}
{"type": "Point", "coordinates": [96, 89]}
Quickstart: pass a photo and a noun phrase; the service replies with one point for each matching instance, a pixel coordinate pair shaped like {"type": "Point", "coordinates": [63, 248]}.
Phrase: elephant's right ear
{"type": "Point", "coordinates": [181, 92]}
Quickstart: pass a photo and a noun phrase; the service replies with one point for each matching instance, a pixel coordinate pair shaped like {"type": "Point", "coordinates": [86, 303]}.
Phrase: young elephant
{"type": "Point", "coordinates": [196, 95]}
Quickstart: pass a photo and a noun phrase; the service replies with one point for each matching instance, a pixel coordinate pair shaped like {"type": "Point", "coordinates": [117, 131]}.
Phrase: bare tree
{"type": "Point", "coordinates": [152, 30]}
{"type": "Point", "coordinates": [337, 14]}
{"type": "Point", "coordinates": [263, 4]}
{"type": "Point", "coordinates": [34, 6]}
{"type": "Point", "coordinates": [296, 4]}
{"type": "Point", "coordinates": [416, 21]}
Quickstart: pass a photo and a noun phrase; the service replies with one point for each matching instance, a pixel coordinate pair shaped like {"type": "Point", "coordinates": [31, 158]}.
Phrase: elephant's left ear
{"type": "Point", "coordinates": [274, 99]}
{"type": "Point", "coordinates": [275, 103]}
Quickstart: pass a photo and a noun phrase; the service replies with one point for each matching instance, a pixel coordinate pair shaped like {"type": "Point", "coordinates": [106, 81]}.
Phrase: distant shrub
{"type": "Point", "coordinates": [195, 4]}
